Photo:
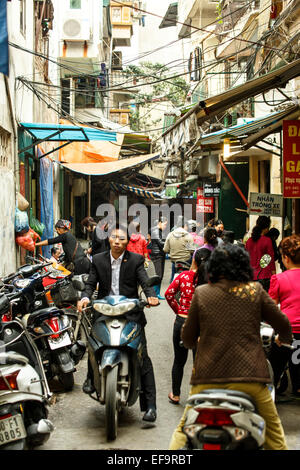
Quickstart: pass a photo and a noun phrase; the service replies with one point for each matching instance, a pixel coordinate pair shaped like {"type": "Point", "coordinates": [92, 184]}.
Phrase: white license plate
{"type": "Point", "coordinates": [11, 429]}
{"type": "Point", "coordinates": [59, 342]}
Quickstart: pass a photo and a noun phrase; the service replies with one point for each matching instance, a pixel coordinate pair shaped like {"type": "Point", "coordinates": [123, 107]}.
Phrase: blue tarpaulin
{"type": "Point", "coordinates": [46, 192]}
{"type": "Point", "coordinates": [3, 38]}
{"type": "Point", "coordinates": [67, 133]}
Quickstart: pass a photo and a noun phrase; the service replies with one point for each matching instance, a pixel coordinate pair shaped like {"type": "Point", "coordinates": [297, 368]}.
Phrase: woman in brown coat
{"type": "Point", "coordinates": [226, 315]}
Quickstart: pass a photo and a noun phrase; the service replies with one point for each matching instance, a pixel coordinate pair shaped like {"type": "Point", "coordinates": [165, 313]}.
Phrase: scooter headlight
{"type": "Point", "coordinates": [103, 308]}
{"type": "Point", "coordinates": [114, 310]}
{"type": "Point", "coordinates": [123, 308]}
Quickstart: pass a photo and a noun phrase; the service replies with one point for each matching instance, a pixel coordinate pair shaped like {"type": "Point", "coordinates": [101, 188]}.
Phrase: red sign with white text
{"type": "Point", "coordinates": [205, 205]}
{"type": "Point", "coordinates": [291, 159]}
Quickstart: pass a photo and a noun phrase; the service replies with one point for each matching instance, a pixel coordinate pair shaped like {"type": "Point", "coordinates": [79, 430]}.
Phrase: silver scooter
{"type": "Point", "coordinates": [24, 391]}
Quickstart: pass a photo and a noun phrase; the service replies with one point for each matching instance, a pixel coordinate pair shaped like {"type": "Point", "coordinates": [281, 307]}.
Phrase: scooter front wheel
{"type": "Point", "coordinates": [111, 404]}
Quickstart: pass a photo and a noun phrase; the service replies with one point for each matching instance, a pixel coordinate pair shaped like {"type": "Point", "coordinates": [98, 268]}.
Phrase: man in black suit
{"type": "Point", "coordinates": [120, 272]}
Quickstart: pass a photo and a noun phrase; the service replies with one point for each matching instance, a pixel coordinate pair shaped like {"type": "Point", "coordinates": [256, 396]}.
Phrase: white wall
{"type": "Point", "coordinates": [20, 63]}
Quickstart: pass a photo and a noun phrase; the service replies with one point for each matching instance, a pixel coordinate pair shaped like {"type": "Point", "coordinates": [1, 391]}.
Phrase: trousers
{"type": "Point", "coordinates": [274, 440]}
{"type": "Point", "coordinates": [180, 356]}
{"type": "Point", "coordinates": [159, 265]}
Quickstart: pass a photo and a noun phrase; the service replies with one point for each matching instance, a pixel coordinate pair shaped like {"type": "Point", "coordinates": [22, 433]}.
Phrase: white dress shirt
{"type": "Point", "coordinates": [115, 274]}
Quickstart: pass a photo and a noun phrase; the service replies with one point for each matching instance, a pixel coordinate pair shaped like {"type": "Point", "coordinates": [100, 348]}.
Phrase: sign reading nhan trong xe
{"type": "Point", "coordinates": [291, 159]}
{"type": "Point", "coordinates": [266, 204]}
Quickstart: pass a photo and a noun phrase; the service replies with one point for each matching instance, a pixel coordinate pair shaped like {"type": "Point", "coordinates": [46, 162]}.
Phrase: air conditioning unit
{"type": "Point", "coordinates": [76, 30]}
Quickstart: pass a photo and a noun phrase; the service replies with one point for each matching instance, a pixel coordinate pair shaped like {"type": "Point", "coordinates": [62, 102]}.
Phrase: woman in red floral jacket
{"type": "Point", "coordinates": [184, 284]}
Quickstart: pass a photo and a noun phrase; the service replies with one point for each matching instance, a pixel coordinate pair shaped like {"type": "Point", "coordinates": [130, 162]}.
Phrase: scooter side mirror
{"type": "Point", "coordinates": [265, 260]}
{"type": "Point", "coordinates": [153, 281]}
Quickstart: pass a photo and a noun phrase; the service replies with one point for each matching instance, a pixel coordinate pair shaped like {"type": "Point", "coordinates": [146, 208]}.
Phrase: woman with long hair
{"type": "Point", "coordinates": [257, 246]}
{"type": "Point", "coordinates": [184, 284]}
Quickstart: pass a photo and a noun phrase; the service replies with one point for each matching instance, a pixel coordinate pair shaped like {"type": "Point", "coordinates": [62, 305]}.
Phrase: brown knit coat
{"type": "Point", "coordinates": [227, 315]}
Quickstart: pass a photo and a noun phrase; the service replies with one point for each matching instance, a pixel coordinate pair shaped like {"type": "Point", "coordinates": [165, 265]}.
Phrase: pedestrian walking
{"type": "Point", "coordinates": [178, 245]}
{"type": "Point", "coordinates": [184, 284]}
{"type": "Point", "coordinates": [138, 243]}
{"type": "Point", "coordinates": [157, 251]}
{"type": "Point", "coordinates": [274, 233]}
{"type": "Point", "coordinates": [192, 229]}
{"type": "Point", "coordinates": [226, 314]}
{"type": "Point", "coordinates": [257, 246]}
{"type": "Point", "coordinates": [284, 290]}
{"type": "Point", "coordinates": [210, 239]}
{"type": "Point", "coordinates": [75, 258]}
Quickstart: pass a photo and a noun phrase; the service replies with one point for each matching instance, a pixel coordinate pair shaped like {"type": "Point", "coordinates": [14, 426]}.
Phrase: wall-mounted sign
{"type": "Point", "coordinates": [266, 204]}
{"type": "Point", "coordinates": [211, 189]}
{"type": "Point", "coordinates": [291, 159]}
{"type": "Point", "coordinates": [205, 205]}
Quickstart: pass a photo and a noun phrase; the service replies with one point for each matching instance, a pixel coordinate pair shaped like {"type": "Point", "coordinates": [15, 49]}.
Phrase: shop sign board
{"type": "Point", "coordinates": [266, 204]}
{"type": "Point", "coordinates": [211, 189]}
{"type": "Point", "coordinates": [291, 159]}
{"type": "Point", "coordinates": [205, 205]}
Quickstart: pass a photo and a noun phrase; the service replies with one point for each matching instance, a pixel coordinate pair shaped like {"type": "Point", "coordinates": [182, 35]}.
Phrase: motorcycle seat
{"type": "Point", "coordinates": [41, 314]}
{"type": "Point", "coordinates": [231, 393]}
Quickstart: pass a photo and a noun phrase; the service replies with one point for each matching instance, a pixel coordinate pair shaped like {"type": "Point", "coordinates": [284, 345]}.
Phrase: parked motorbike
{"type": "Point", "coordinates": [114, 353]}
{"type": "Point", "coordinates": [65, 295]}
{"type": "Point", "coordinates": [50, 327]}
{"type": "Point", "coordinates": [24, 391]}
{"type": "Point", "coordinates": [181, 266]}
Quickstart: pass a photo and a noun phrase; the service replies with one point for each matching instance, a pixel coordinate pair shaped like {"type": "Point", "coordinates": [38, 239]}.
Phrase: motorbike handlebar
{"type": "Point", "coordinates": [9, 278]}
{"type": "Point", "coordinates": [289, 346]}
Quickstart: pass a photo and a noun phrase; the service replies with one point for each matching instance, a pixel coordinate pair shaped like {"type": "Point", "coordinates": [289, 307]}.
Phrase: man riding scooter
{"type": "Point", "coordinates": [119, 272]}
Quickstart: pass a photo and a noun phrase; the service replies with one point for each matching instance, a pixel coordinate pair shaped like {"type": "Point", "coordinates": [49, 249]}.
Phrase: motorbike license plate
{"type": "Point", "coordinates": [60, 342]}
{"type": "Point", "coordinates": [11, 429]}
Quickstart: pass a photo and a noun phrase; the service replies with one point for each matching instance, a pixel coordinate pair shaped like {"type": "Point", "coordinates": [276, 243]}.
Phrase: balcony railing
{"type": "Point", "coordinates": [119, 80]}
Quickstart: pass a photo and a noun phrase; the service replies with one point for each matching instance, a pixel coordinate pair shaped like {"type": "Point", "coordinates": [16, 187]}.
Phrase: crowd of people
{"type": "Point", "coordinates": [222, 294]}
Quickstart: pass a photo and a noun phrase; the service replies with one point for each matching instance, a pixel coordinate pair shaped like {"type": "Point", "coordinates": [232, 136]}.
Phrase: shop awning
{"type": "Point", "coordinates": [207, 109]}
{"type": "Point", "coordinates": [138, 191]}
{"type": "Point", "coordinates": [66, 134]}
{"type": "Point", "coordinates": [107, 168]}
{"type": "Point", "coordinates": [251, 127]}
{"type": "Point", "coordinates": [92, 151]}
{"type": "Point", "coordinates": [62, 133]}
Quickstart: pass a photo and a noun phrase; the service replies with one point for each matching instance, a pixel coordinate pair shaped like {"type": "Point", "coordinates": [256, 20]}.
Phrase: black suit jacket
{"type": "Point", "coordinates": [132, 274]}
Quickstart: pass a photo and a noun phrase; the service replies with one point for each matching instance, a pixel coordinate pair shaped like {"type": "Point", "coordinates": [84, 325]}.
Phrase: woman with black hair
{"type": "Point", "coordinates": [185, 284]}
{"type": "Point", "coordinates": [210, 238]}
{"type": "Point", "coordinates": [257, 246]}
{"type": "Point", "coordinates": [224, 325]}
{"type": "Point", "coordinates": [75, 257]}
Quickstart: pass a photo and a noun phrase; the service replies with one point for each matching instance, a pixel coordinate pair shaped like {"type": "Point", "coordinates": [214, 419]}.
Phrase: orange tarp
{"type": "Point", "coordinates": [90, 152]}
